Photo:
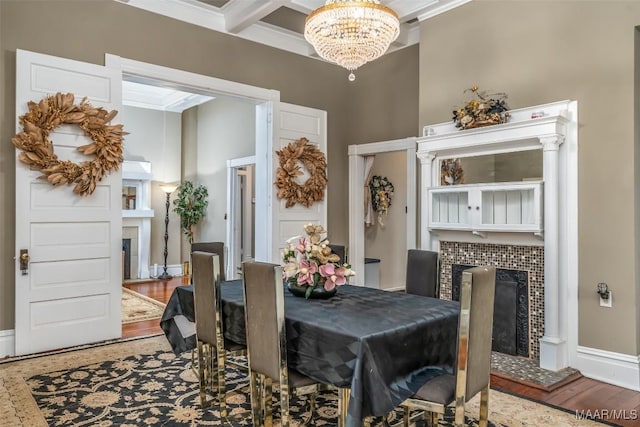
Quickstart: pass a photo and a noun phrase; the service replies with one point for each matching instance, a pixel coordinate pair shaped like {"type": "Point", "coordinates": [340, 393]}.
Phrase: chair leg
{"type": "Point", "coordinates": [311, 398]}
{"type": "Point", "coordinates": [222, 387]}
{"type": "Point", "coordinates": [435, 418]}
{"type": "Point", "coordinates": [206, 369]}
{"type": "Point", "coordinates": [406, 416]}
{"type": "Point", "coordinates": [484, 407]}
{"type": "Point", "coordinates": [266, 401]}
{"type": "Point", "coordinates": [284, 405]}
{"type": "Point", "coordinates": [256, 400]}
{"type": "Point", "coordinates": [459, 413]}
{"type": "Point", "coordinates": [343, 406]}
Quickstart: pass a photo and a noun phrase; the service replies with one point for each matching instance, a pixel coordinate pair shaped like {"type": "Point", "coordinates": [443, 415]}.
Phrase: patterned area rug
{"type": "Point", "coordinates": [142, 383]}
{"type": "Point", "coordinates": [137, 307]}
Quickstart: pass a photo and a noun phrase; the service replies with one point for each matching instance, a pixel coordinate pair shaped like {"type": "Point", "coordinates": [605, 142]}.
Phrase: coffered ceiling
{"type": "Point", "coordinates": [280, 23]}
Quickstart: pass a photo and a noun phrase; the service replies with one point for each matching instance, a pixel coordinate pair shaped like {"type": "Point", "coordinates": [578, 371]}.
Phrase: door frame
{"type": "Point", "coordinates": [233, 198]}
{"type": "Point", "coordinates": [357, 154]}
{"type": "Point", "coordinates": [264, 100]}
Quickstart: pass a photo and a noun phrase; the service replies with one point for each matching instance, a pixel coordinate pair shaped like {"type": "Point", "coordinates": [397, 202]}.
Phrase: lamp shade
{"type": "Point", "coordinates": [168, 188]}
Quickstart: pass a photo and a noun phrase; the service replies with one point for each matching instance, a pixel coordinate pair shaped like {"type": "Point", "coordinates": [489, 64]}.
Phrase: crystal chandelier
{"type": "Point", "coordinates": [351, 33]}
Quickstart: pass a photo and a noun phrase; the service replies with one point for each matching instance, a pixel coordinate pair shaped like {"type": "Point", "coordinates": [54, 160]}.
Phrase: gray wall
{"type": "Point", "coordinates": [539, 52]}
{"type": "Point", "coordinates": [389, 243]}
{"type": "Point", "coordinates": [156, 136]}
{"type": "Point", "coordinates": [226, 130]}
{"type": "Point", "coordinates": [385, 93]}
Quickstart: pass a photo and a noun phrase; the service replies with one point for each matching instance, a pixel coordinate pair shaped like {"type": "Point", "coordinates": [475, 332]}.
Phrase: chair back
{"type": "Point", "coordinates": [214, 248]}
{"type": "Point", "coordinates": [423, 273]}
{"type": "Point", "coordinates": [206, 295]}
{"type": "Point", "coordinates": [264, 318]}
{"type": "Point", "coordinates": [475, 331]}
{"type": "Point", "coordinates": [339, 250]}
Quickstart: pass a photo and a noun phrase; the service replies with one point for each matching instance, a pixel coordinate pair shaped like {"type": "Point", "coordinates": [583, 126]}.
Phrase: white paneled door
{"type": "Point", "coordinates": [274, 223]}
{"type": "Point", "coordinates": [292, 123]}
{"type": "Point", "coordinates": [70, 293]}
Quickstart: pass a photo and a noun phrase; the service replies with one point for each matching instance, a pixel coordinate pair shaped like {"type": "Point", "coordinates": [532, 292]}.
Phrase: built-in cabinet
{"type": "Point", "coordinates": [506, 207]}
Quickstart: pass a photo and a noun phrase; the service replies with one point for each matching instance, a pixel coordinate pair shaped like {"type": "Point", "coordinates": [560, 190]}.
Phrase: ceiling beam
{"type": "Point", "coordinates": [241, 14]}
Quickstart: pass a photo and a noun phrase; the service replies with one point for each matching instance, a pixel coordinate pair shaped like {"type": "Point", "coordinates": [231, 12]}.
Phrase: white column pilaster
{"type": "Point", "coordinates": [553, 345]}
{"type": "Point", "coordinates": [356, 217]}
{"type": "Point", "coordinates": [426, 177]}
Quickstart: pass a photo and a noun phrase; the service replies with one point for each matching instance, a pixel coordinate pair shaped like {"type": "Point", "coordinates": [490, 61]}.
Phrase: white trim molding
{"type": "Point", "coordinates": [614, 368]}
{"type": "Point", "coordinates": [7, 343]}
{"type": "Point", "coordinates": [356, 195]}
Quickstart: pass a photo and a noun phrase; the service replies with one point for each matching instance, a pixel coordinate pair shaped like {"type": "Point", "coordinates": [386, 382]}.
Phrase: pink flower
{"type": "Point", "coordinates": [302, 245]}
{"type": "Point", "coordinates": [307, 270]}
{"type": "Point", "coordinates": [335, 276]}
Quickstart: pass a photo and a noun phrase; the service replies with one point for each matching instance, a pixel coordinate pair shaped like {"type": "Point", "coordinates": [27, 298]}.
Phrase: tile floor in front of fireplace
{"type": "Point", "coordinates": [526, 370]}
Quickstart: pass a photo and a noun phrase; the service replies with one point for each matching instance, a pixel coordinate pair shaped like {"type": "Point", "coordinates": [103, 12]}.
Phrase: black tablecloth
{"type": "Point", "coordinates": [382, 345]}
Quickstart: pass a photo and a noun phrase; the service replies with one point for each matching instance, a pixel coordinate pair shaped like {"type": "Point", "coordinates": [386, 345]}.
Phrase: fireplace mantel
{"type": "Point", "coordinates": [136, 175]}
{"type": "Point", "coordinates": [554, 131]}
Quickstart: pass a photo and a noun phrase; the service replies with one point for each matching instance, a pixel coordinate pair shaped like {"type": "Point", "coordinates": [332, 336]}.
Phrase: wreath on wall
{"type": "Point", "coordinates": [291, 157]}
{"type": "Point", "coordinates": [55, 111]}
{"type": "Point", "coordinates": [381, 194]}
{"type": "Point", "coordinates": [451, 172]}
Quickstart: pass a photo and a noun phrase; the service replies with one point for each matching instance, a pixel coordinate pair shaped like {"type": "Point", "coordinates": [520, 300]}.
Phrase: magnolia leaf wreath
{"type": "Point", "coordinates": [381, 194]}
{"type": "Point", "coordinates": [291, 156]}
{"type": "Point", "coordinates": [37, 150]}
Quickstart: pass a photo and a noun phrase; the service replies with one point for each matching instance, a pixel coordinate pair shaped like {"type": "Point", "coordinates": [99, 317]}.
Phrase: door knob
{"type": "Point", "coordinates": [24, 261]}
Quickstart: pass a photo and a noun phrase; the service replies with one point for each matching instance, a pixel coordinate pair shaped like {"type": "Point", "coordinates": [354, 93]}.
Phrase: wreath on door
{"type": "Point", "coordinates": [55, 111]}
{"type": "Point", "coordinates": [291, 157]}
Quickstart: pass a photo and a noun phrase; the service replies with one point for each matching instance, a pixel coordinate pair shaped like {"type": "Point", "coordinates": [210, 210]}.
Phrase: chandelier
{"type": "Point", "coordinates": [351, 33]}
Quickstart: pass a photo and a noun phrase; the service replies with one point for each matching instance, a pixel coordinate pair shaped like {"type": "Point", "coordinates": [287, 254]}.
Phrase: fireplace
{"type": "Point", "coordinates": [126, 249]}
{"type": "Point", "coordinates": [511, 258]}
{"type": "Point", "coordinates": [511, 308]}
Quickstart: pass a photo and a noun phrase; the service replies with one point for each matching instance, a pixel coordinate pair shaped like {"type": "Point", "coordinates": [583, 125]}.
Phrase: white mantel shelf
{"type": "Point", "coordinates": [520, 133]}
{"type": "Point", "coordinates": [138, 213]}
{"type": "Point", "coordinates": [554, 131]}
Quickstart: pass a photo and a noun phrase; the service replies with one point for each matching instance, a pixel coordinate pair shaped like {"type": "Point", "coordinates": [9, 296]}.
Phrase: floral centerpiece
{"type": "Point", "coordinates": [381, 194]}
{"type": "Point", "coordinates": [310, 267]}
{"type": "Point", "coordinates": [483, 110]}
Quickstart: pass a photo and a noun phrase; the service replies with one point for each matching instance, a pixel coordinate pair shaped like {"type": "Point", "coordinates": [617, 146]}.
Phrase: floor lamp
{"type": "Point", "coordinates": [168, 189]}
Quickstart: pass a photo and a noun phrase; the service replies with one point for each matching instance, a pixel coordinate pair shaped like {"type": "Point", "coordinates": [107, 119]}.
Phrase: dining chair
{"type": "Point", "coordinates": [473, 362]}
{"type": "Point", "coordinates": [423, 273]}
{"type": "Point", "coordinates": [341, 251]}
{"type": "Point", "coordinates": [214, 248]}
{"type": "Point", "coordinates": [213, 348]}
{"type": "Point", "coordinates": [267, 345]}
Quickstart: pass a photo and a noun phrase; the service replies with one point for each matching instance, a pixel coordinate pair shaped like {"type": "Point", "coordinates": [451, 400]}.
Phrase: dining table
{"type": "Point", "coordinates": [380, 345]}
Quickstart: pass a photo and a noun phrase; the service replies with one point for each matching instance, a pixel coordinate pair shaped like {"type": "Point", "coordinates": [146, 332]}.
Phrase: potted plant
{"type": "Point", "coordinates": [190, 203]}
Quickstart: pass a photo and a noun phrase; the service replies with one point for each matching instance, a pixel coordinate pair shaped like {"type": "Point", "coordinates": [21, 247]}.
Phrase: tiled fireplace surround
{"type": "Point", "coordinates": [512, 257]}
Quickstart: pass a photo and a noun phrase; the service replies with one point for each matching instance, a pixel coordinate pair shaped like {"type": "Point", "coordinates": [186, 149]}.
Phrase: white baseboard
{"type": "Point", "coordinates": [7, 343]}
{"type": "Point", "coordinates": [613, 368]}
{"type": "Point", "coordinates": [174, 270]}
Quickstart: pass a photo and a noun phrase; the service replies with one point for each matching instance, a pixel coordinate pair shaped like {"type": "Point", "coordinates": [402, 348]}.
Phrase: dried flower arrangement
{"type": "Point", "coordinates": [483, 110]}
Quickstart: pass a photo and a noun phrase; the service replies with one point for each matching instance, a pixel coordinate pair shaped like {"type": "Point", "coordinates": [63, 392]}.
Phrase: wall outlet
{"type": "Point", "coordinates": [606, 302]}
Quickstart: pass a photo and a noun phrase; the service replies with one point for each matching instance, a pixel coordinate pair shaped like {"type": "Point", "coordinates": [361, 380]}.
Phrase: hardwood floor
{"type": "Point", "coordinates": [159, 290]}
{"type": "Point", "coordinates": [616, 405]}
